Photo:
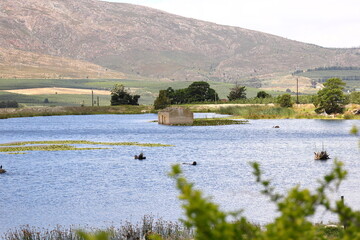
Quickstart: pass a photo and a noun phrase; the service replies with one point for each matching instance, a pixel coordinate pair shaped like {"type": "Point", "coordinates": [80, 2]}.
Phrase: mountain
{"type": "Point", "coordinates": [118, 40]}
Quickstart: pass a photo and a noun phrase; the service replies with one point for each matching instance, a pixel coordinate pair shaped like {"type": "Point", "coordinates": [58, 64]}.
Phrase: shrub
{"type": "Point", "coordinates": [9, 104]}
{"type": "Point", "coordinates": [263, 94]}
{"type": "Point", "coordinates": [355, 97]}
{"type": "Point", "coordinates": [285, 100]}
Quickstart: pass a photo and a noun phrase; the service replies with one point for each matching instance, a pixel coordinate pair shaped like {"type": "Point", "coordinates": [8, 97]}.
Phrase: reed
{"type": "Point", "coordinates": [127, 230]}
{"type": "Point", "coordinates": [258, 112]}
{"type": "Point", "coordinates": [59, 111]}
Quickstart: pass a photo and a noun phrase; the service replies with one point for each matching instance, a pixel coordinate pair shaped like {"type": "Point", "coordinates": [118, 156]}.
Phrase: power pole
{"type": "Point", "coordinates": [92, 98]}
{"type": "Point", "coordinates": [297, 90]}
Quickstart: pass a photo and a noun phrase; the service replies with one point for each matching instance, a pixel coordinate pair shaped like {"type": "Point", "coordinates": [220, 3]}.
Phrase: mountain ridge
{"type": "Point", "coordinates": [138, 41]}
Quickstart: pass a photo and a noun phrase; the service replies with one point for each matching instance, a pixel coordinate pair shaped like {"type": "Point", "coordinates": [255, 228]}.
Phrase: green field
{"type": "Point", "coordinates": [148, 90]}
{"type": "Point", "coordinates": [350, 77]}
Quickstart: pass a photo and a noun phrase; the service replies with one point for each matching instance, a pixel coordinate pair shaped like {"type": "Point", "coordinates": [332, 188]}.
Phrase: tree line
{"type": "Point", "coordinates": [331, 99]}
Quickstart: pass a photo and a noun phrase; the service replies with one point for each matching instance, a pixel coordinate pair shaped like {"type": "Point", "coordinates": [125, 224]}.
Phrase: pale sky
{"type": "Point", "coordinates": [327, 23]}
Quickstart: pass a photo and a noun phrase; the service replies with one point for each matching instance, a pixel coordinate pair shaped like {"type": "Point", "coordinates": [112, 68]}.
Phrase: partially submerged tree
{"type": "Point", "coordinates": [119, 96]}
{"type": "Point", "coordinates": [237, 92]}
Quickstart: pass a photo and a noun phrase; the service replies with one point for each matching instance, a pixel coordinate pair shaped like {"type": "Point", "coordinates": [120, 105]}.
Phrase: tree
{"type": "Point", "coordinates": [263, 94]}
{"type": "Point", "coordinates": [238, 92]}
{"type": "Point", "coordinates": [162, 101]}
{"type": "Point", "coordinates": [331, 99]}
{"type": "Point", "coordinates": [119, 96]}
{"type": "Point", "coordinates": [285, 100]}
{"type": "Point", "coordinates": [200, 92]}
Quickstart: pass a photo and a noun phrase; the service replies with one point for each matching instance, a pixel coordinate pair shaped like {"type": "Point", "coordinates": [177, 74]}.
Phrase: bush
{"type": "Point", "coordinates": [263, 94]}
{"type": "Point", "coordinates": [9, 104]}
{"type": "Point", "coordinates": [355, 97]}
{"type": "Point", "coordinates": [285, 100]}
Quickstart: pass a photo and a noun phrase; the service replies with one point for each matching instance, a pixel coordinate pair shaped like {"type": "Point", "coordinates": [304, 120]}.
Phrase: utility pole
{"type": "Point", "coordinates": [297, 90]}
{"type": "Point", "coordinates": [98, 102]}
{"type": "Point", "coordinates": [92, 98]}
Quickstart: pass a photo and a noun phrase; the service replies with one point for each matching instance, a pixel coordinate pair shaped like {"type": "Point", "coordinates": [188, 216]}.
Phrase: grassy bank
{"type": "Point", "coordinates": [58, 111]}
{"type": "Point", "coordinates": [305, 111]}
{"type": "Point", "coordinates": [246, 111]}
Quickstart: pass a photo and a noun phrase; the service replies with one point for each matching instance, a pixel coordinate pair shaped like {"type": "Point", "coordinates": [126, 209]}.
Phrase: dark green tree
{"type": "Point", "coordinates": [263, 94]}
{"type": "Point", "coordinates": [201, 92]}
{"type": "Point", "coordinates": [162, 101]}
{"type": "Point", "coordinates": [331, 99]}
{"type": "Point", "coordinates": [179, 96]}
{"type": "Point", "coordinates": [119, 96]}
{"type": "Point", "coordinates": [285, 100]}
{"type": "Point", "coordinates": [238, 92]}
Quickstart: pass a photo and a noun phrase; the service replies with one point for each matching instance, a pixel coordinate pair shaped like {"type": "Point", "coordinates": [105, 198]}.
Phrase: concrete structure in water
{"type": "Point", "coordinates": [175, 115]}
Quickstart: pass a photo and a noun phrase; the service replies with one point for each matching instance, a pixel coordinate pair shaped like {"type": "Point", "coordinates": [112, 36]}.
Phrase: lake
{"type": "Point", "coordinates": [99, 188]}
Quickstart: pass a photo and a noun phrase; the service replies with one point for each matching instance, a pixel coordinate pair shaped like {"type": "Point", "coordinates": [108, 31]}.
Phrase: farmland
{"type": "Point", "coordinates": [35, 91]}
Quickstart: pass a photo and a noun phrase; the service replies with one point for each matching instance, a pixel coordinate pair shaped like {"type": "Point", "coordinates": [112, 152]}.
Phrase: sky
{"type": "Point", "coordinates": [327, 23]}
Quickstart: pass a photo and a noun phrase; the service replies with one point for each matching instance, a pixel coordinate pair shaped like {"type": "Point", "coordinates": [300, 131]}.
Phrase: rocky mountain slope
{"type": "Point", "coordinates": [143, 42]}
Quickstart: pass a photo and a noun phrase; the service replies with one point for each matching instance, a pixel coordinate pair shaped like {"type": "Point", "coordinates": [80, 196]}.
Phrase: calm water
{"type": "Point", "coordinates": [99, 188]}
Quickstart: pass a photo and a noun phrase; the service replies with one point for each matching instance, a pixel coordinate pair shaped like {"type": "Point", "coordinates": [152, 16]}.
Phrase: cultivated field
{"type": "Point", "coordinates": [57, 90]}
{"type": "Point", "coordinates": [76, 92]}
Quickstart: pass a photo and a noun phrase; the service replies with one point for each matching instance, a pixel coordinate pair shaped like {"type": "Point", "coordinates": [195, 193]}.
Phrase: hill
{"type": "Point", "coordinates": [100, 39]}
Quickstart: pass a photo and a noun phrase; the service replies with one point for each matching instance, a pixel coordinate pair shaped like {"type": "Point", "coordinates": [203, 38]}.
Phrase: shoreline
{"type": "Point", "coordinates": [298, 111]}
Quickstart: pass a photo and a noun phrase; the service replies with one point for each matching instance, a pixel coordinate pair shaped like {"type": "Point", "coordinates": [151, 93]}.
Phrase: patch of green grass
{"type": "Point", "coordinates": [44, 148]}
{"type": "Point", "coordinates": [87, 142]}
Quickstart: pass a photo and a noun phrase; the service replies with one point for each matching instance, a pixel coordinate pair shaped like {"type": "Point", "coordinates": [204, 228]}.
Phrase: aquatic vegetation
{"type": "Point", "coordinates": [43, 148]}
{"type": "Point", "coordinates": [15, 153]}
{"type": "Point", "coordinates": [66, 145]}
{"type": "Point", "coordinates": [214, 122]}
{"type": "Point", "coordinates": [87, 142]}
